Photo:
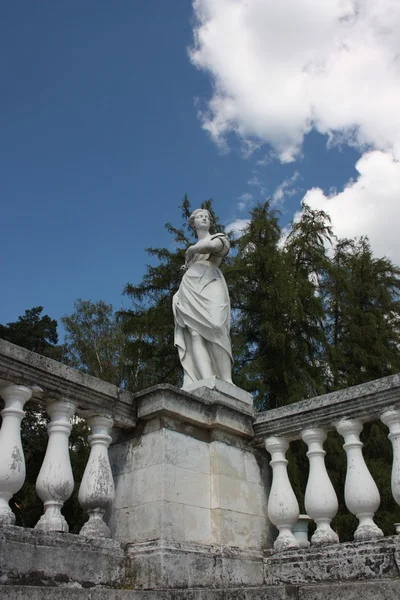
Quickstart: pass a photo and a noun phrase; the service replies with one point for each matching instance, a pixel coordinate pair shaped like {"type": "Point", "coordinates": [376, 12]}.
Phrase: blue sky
{"type": "Point", "coordinates": [101, 134]}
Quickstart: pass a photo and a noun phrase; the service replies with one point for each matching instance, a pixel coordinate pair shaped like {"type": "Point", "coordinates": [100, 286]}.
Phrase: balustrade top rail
{"type": "Point", "coordinates": [366, 401]}
{"type": "Point", "coordinates": [50, 379]}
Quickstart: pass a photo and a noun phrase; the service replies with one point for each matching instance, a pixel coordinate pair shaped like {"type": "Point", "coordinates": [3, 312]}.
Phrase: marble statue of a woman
{"type": "Point", "coordinates": [202, 307]}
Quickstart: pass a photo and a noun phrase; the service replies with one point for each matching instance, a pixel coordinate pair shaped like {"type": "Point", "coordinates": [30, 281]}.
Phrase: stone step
{"type": "Point", "coordinates": [371, 590]}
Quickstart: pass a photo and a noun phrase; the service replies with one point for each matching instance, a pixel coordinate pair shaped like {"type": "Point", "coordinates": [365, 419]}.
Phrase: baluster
{"type": "Point", "coordinates": [360, 493]}
{"type": "Point", "coordinates": [320, 498]}
{"type": "Point", "coordinates": [97, 491]}
{"type": "Point", "coordinates": [12, 461]}
{"type": "Point", "coordinates": [55, 482]}
{"type": "Point", "coordinates": [391, 418]}
{"type": "Point", "coordinates": [300, 531]}
{"type": "Point", "coordinates": [283, 508]}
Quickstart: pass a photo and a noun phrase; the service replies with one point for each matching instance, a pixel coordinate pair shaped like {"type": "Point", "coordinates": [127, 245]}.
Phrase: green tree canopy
{"type": "Point", "coordinates": [33, 331]}
{"type": "Point", "coordinates": [95, 342]}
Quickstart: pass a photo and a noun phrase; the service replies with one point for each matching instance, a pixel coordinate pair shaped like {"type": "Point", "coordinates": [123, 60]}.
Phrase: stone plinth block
{"type": "Point", "coordinates": [162, 565]}
{"type": "Point", "coordinates": [213, 386]}
{"type": "Point", "coordinates": [188, 475]}
{"type": "Point", "coordinates": [372, 590]}
{"type": "Point", "coordinates": [33, 557]}
{"type": "Point", "coordinates": [361, 560]}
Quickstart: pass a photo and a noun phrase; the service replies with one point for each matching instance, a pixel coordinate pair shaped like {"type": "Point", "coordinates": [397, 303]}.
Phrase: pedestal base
{"type": "Point", "coordinates": [188, 475]}
{"type": "Point", "coordinates": [162, 565]}
{"type": "Point", "coordinates": [213, 386]}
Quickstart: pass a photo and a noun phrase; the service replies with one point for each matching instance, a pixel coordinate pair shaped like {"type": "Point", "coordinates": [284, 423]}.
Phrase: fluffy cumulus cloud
{"type": "Point", "coordinates": [282, 68]}
{"type": "Point", "coordinates": [237, 227]}
{"type": "Point", "coordinates": [244, 201]}
{"type": "Point", "coordinates": [368, 205]}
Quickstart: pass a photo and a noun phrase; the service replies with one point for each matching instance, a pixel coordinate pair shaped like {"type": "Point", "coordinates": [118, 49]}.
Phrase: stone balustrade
{"type": "Point", "coordinates": [345, 411]}
{"type": "Point", "coordinates": [186, 490]}
{"type": "Point", "coordinates": [63, 392]}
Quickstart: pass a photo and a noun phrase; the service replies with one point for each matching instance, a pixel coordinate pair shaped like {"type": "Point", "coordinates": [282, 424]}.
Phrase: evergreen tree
{"type": "Point", "coordinates": [278, 308]}
{"type": "Point", "coordinates": [361, 296]}
{"type": "Point", "coordinates": [261, 301]}
{"type": "Point", "coordinates": [363, 315]}
{"type": "Point", "coordinates": [33, 332]}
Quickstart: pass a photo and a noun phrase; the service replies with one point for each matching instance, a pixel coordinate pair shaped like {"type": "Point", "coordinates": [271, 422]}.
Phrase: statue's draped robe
{"type": "Point", "coordinates": [202, 304]}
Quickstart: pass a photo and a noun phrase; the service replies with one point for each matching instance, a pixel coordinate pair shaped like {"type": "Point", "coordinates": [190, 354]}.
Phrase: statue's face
{"type": "Point", "coordinates": [202, 220]}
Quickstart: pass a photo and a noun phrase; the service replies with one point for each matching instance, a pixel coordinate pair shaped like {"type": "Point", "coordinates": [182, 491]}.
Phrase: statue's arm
{"type": "Point", "coordinates": [205, 247]}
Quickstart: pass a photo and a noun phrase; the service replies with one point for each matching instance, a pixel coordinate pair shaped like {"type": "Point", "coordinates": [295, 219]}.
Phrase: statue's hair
{"type": "Point", "coordinates": [195, 213]}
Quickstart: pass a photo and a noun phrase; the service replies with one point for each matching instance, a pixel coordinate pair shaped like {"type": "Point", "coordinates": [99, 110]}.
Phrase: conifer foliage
{"type": "Point", "coordinates": [310, 314]}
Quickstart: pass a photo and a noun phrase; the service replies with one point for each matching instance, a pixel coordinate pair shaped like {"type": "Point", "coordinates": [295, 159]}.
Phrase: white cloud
{"type": "Point", "coordinates": [244, 201]}
{"type": "Point", "coordinates": [246, 197]}
{"type": "Point", "coordinates": [368, 205]}
{"type": "Point", "coordinates": [282, 68]}
{"type": "Point", "coordinates": [286, 188]}
{"type": "Point", "coordinates": [237, 227]}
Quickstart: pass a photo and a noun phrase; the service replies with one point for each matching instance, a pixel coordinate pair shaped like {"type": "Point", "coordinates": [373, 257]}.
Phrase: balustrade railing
{"type": "Point", "coordinates": [63, 392]}
{"type": "Point", "coordinates": [345, 411]}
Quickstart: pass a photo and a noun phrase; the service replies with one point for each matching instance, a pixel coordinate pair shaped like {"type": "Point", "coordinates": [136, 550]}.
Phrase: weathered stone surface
{"type": "Point", "coordinates": [174, 481]}
{"type": "Point", "coordinates": [238, 495]}
{"type": "Point", "coordinates": [238, 464]}
{"type": "Point", "coordinates": [51, 379]}
{"type": "Point", "coordinates": [212, 387]}
{"type": "Point", "coordinates": [166, 494]}
{"type": "Point", "coordinates": [377, 590]}
{"type": "Point", "coordinates": [34, 557]}
{"type": "Point", "coordinates": [162, 565]}
{"type": "Point", "coordinates": [338, 562]}
{"type": "Point", "coordinates": [238, 530]}
{"type": "Point", "coordinates": [217, 412]}
{"type": "Point", "coordinates": [32, 593]}
{"type": "Point", "coordinates": [366, 401]}
{"type": "Point", "coordinates": [373, 590]}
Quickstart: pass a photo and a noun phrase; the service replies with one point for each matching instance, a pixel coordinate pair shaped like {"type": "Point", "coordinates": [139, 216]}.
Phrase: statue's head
{"type": "Point", "coordinates": [199, 217]}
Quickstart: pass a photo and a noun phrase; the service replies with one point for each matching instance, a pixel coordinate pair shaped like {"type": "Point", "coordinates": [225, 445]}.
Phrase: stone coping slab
{"type": "Point", "coordinates": [53, 380]}
{"type": "Point", "coordinates": [376, 590]}
{"type": "Point", "coordinates": [165, 565]}
{"type": "Point", "coordinates": [41, 558]}
{"type": "Point", "coordinates": [216, 412]}
{"type": "Point", "coordinates": [213, 387]}
{"type": "Point", "coordinates": [209, 549]}
{"type": "Point", "coordinates": [363, 560]}
{"type": "Point", "coordinates": [366, 401]}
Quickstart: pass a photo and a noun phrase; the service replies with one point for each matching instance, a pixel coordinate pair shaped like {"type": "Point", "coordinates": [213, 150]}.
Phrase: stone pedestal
{"type": "Point", "coordinates": [217, 389]}
{"type": "Point", "coordinates": [190, 491]}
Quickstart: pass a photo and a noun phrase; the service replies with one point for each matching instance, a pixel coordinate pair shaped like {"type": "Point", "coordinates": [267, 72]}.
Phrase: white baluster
{"type": "Point", "coordinates": [320, 498]}
{"type": "Point", "coordinates": [300, 531]}
{"type": "Point", "coordinates": [391, 418]}
{"type": "Point", "coordinates": [360, 493]}
{"type": "Point", "coordinates": [97, 491]}
{"type": "Point", "coordinates": [283, 508]}
{"type": "Point", "coordinates": [55, 482]}
{"type": "Point", "coordinates": [12, 461]}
